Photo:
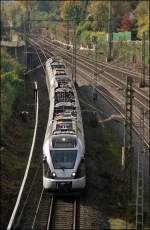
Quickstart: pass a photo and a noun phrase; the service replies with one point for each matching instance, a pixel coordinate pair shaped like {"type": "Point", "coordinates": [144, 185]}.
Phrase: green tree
{"type": "Point", "coordinates": [10, 84]}
{"type": "Point", "coordinates": [142, 15]}
{"type": "Point", "coordinates": [72, 10]}
{"type": "Point", "coordinates": [98, 10]}
{"type": "Point", "coordinates": [9, 64]}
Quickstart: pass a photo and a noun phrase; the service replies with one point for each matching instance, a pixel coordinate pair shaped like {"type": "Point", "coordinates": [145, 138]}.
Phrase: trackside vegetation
{"type": "Point", "coordinates": [11, 84]}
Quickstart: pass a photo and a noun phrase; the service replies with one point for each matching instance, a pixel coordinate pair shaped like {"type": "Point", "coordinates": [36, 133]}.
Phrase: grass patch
{"type": "Point", "coordinates": [120, 224]}
{"type": "Point", "coordinates": [112, 144]}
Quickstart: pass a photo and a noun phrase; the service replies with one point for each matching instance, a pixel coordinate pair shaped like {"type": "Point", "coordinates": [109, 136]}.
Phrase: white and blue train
{"type": "Point", "coordinates": [64, 147]}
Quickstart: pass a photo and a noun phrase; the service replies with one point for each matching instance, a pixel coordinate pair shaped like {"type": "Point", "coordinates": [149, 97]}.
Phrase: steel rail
{"type": "Point", "coordinates": [112, 82]}
{"type": "Point", "coordinates": [41, 196]}
{"type": "Point", "coordinates": [83, 72]}
{"type": "Point", "coordinates": [64, 214]}
{"type": "Point", "coordinates": [115, 67]}
{"type": "Point", "coordinates": [107, 65]}
{"type": "Point", "coordinates": [52, 204]}
{"type": "Point", "coordinates": [112, 76]}
{"type": "Point", "coordinates": [33, 69]}
{"type": "Point", "coordinates": [36, 99]}
{"type": "Point", "coordinates": [28, 164]}
{"type": "Point", "coordinates": [40, 60]}
{"type": "Point", "coordinates": [119, 80]}
{"type": "Point", "coordinates": [26, 200]}
{"type": "Point", "coordinates": [134, 128]}
{"type": "Point", "coordinates": [122, 82]}
{"type": "Point", "coordinates": [50, 213]}
{"type": "Point", "coordinates": [37, 209]}
{"type": "Point", "coordinates": [118, 85]}
{"type": "Point", "coordinates": [75, 215]}
{"type": "Point", "coordinates": [98, 82]}
{"type": "Point", "coordinates": [115, 107]}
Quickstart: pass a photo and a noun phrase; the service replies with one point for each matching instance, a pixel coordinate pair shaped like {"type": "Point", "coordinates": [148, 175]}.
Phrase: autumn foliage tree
{"type": "Point", "coordinates": [142, 15]}
{"type": "Point", "coordinates": [126, 23]}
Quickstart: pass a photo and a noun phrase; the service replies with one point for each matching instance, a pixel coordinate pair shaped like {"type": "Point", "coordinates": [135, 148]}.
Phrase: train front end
{"type": "Point", "coordinates": [63, 164]}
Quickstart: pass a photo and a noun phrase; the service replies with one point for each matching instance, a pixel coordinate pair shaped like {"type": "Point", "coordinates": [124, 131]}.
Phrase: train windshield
{"type": "Point", "coordinates": [63, 159]}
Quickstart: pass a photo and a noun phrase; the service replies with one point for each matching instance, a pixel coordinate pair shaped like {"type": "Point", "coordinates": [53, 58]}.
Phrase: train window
{"type": "Point", "coordinates": [63, 159]}
{"type": "Point", "coordinates": [64, 142]}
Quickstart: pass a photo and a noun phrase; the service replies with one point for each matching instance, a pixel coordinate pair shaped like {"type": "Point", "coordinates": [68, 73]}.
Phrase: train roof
{"type": "Point", "coordinates": [65, 117]}
{"type": "Point", "coordinates": [64, 127]}
{"type": "Point", "coordinates": [55, 60]}
{"type": "Point", "coordinates": [66, 104]}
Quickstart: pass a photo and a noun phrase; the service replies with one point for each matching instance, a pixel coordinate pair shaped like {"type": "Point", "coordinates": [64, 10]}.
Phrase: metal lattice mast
{"type": "Point", "coordinates": [74, 51]}
{"type": "Point", "coordinates": [142, 83]}
{"type": "Point", "coordinates": [140, 184]}
{"type": "Point", "coordinates": [95, 69]}
{"type": "Point", "coordinates": [26, 31]}
{"type": "Point", "coordinates": [67, 33]}
{"type": "Point", "coordinates": [96, 60]}
{"type": "Point", "coordinates": [128, 148]}
{"type": "Point", "coordinates": [109, 55]}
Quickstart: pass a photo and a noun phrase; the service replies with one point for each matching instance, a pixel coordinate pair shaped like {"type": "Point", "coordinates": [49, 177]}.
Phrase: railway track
{"type": "Point", "coordinates": [44, 211]}
{"type": "Point", "coordinates": [117, 69]}
{"type": "Point", "coordinates": [52, 212]}
{"type": "Point", "coordinates": [41, 218]}
{"type": "Point", "coordinates": [64, 214]}
{"type": "Point", "coordinates": [109, 66]}
{"type": "Point", "coordinates": [81, 70]}
{"type": "Point", "coordinates": [55, 212]}
{"type": "Point", "coordinates": [116, 81]}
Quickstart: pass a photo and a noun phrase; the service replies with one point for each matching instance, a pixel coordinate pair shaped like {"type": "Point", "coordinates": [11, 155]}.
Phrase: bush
{"type": "Point", "coordinates": [84, 37]}
{"type": "Point", "coordinates": [10, 87]}
{"type": "Point", "coordinates": [9, 64]}
{"type": "Point", "coordinates": [87, 37]}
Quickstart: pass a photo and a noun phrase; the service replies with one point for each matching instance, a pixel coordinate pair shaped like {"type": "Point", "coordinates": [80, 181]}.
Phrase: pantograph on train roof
{"type": "Point", "coordinates": [63, 84]}
{"type": "Point", "coordinates": [64, 96]}
{"type": "Point", "coordinates": [56, 62]}
{"type": "Point", "coordinates": [64, 127]}
{"type": "Point", "coordinates": [56, 59]}
{"type": "Point", "coordinates": [64, 146]}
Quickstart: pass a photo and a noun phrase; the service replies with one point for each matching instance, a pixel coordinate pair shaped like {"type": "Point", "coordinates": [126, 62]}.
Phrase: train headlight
{"type": "Point", "coordinates": [73, 174]}
{"type": "Point", "coordinates": [54, 174]}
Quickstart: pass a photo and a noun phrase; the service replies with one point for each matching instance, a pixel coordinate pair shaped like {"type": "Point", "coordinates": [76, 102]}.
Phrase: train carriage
{"type": "Point", "coordinates": [63, 148]}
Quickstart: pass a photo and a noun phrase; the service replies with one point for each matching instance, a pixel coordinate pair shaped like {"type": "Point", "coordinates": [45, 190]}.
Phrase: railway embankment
{"type": "Point", "coordinates": [102, 201]}
{"type": "Point", "coordinates": [16, 143]}
{"type": "Point", "coordinates": [16, 139]}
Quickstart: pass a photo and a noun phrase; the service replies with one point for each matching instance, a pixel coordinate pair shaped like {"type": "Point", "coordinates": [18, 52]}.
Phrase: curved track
{"type": "Point", "coordinates": [46, 211]}
{"type": "Point", "coordinates": [84, 70]}
{"type": "Point", "coordinates": [110, 66]}
{"type": "Point", "coordinates": [50, 212]}
{"type": "Point", "coordinates": [114, 79]}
